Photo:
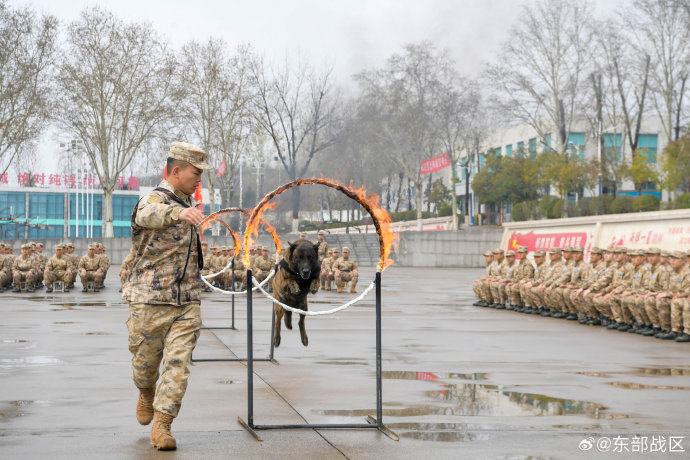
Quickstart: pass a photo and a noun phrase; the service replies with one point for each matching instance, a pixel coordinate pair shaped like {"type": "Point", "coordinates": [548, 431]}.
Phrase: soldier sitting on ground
{"type": "Point", "coordinates": [6, 260]}
{"type": "Point", "coordinates": [23, 270]}
{"type": "Point", "coordinates": [345, 270]}
{"type": "Point", "coordinates": [90, 270]}
{"type": "Point", "coordinates": [57, 268]}
{"type": "Point", "coordinates": [74, 262]}
{"type": "Point", "coordinates": [262, 264]}
{"type": "Point", "coordinates": [326, 268]}
{"type": "Point", "coordinates": [103, 261]}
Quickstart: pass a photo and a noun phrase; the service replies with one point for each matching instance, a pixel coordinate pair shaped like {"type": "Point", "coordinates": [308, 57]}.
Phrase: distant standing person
{"type": "Point", "coordinates": [163, 291]}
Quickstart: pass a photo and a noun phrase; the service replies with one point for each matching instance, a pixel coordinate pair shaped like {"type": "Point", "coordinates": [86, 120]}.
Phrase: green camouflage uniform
{"type": "Point", "coordinates": [56, 270]}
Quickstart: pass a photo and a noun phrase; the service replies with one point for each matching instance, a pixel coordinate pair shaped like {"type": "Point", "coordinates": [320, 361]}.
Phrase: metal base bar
{"type": "Point", "coordinates": [372, 423]}
{"type": "Point", "coordinates": [219, 327]}
{"type": "Point", "coordinates": [221, 360]}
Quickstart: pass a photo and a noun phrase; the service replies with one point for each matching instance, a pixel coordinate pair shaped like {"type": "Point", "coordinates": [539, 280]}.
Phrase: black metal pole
{"type": "Point", "coordinates": [379, 392]}
{"type": "Point", "coordinates": [232, 280]}
{"type": "Point", "coordinates": [273, 325]}
{"type": "Point", "coordinates": [250, 355]}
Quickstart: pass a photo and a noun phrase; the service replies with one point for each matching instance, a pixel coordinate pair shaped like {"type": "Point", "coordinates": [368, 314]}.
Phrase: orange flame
{"type": "Point", "coordinates": [382, 220]}
{"type": "Point", "coordinates": [253, 230]}
{"type": "Point", "coordinates": [215, 217]}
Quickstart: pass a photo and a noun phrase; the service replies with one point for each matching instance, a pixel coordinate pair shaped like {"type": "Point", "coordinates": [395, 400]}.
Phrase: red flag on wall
{"type": "Point", "coordinates": [221, 169]}
{"type": "Point", "coordinates": [434, 164]}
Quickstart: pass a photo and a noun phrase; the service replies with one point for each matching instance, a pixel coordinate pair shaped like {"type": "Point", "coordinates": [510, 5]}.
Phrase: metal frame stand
{"type": "Point", "coordinates": [232, 327]}
{"type": "Point", "coordinates": [372, 423]}
{"type": "Point", "coordinates": [232, 283]}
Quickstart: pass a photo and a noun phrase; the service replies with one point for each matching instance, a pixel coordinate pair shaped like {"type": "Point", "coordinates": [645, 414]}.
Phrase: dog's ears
{"type": "Point", "coordinates": [316, 247]}
{"type": "Point", "coordinates": [291, 248]}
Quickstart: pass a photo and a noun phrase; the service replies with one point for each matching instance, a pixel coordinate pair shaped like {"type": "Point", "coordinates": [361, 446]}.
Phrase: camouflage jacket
{"type": "Point", "coordinates": [104, 262]}
{"type": "Point", "coordinates": [323, 250]}
{"type": "Point", "coordinates": [509, 272]}
{"type": "Point", "coordinates": [73, 260]}
{"type": "Point", "coordinates": [495, 268]}
{"type": "Point", "coordinates": [600, 276]}
{"type": "Point", "coordinates": [126, 266]}
{"type": "Point", "coordinates": [540, 273]}
{"type": "Point", "coordinates": [658, 279]}
{"type": "Point", "coordinates": [6, 261]}
{"type": "Point", "coordinates": [166, 266]}
{"type": "Point", "coordinates": [263, 264]}
{"type": "Point", "coordinates": [326, 264]}
{"type": "Point", "coordinates": [578, 273]}
{"type": "Point", "coordinates": [639, 278]}
{"type": "Point", "coordinates": [344, 265]}
{"type": "Point", "coordinates": [90, 264]}
{"type": "Point", "coordinates": [525, 270]}
{"type": "Point", "coordinates": [679, 281]}
{"type": "Point", "coordinates": [562, 277]}
{"type": "Point", "coordinates": [58, 264]}
{"type": "Point", "coordinates": [554, 270]}
{"type": "Point", "coordinates": [23, 264]}
{"type": "Point", "coordinates": [621, 275]}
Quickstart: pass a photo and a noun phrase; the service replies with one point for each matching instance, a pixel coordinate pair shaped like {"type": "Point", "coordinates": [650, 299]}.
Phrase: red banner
{"type": "Point", "coordinates": [221, 169]}
{"type": "Point", "coordinates": [434, 164]}
{"type": "Point", "coordinates": [535, 241]}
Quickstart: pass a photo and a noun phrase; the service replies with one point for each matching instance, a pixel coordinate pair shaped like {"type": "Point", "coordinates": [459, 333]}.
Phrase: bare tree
{"type": "Point", "coordinates": [541, 71]}
{"type": "Point", "coordinates": [27, 52]}
{"type": "Point", "coordinates": [116, 91]}
{"type": "Point", "coordinates": [661, 30]}
{"type": "Point", "coordinates": [403, 94]}
{"type": "Point", "coordinates": [296, 106]}
{"type": "Point", "coordinates": [217, 94]}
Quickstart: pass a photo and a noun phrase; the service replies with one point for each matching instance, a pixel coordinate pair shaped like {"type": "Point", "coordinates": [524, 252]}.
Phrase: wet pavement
{"type": "Point", "coordinates": [459, 381]}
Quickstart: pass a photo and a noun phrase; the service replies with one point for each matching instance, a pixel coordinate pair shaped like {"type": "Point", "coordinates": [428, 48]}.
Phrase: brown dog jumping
{"type": "Point", "coordinates": [297, 276]}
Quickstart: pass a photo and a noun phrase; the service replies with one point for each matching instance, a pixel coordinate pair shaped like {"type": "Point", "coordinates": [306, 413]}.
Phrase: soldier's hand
{"type": "Point", "coordinates": [192, 215]}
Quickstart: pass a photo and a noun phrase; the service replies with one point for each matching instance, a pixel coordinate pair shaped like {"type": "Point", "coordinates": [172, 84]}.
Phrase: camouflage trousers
{"type": "Point", "coordinates": [5, 278]}
{"type": "Point", "coordinates": [163, 332]}
{"type": "Point", "coordinates": [514, 294]}
{"type": "Point", "coordinates": [498, 291]}
{"type": "Point", "coordinates": [535, 298]}
{"type": "Point", "coordinates": [635, 305]}
{"type": "Point", "coordinates": [553, 299]}
{"type": "Point", "coordinates": [326, 278]}
{"type": "Point", "coordinates": [343, 277]}
{"type": "Point", "coordinates": [91, 276]}
{"type": "Point", "coordinates": [584, 303]}
{"type": "Point", "coordinates": [57, 275]}
{"type": "Point", "coordinates": [19, 277]}
{"type": "Point", "coordinates": [485, 290]}
{"type": "Point", "coordinates": [680, 315]}
{"type": "Point", "coordinates": [614, 308]}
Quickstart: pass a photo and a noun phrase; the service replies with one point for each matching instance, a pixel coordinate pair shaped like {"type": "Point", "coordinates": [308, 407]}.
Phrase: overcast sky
{"type": "Point", "coordinates": [351, 35]}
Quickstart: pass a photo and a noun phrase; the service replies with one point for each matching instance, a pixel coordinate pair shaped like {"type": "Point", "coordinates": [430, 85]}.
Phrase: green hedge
{"type": "Point", "coordinates": [646, 203]}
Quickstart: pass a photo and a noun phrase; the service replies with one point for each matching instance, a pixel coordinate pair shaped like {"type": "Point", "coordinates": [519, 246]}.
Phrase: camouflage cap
{"type": "Point", "coordinates": [631, 252]}
{"type": "Point", "coordinates": [190, 153]}
{"type": "Point", "coordinates": [346, 249]}
{"type": "Point", "coordinates": [665, 253]}
{"type": "Point", "coordinates": [539, 253]}
{"type": "Point", "coordinates": [610, 249]}
{"type": "Point", "coordinates": [678, 255]}
{"type": "Point", "coordinates": [498, 251]}
{"type": "Point", "coordinates": [522, 249]}
{"type": "Point", "coordinates": [321, 232]}
{"type": "Point", "coordinates": [28, 246]}
{"type": "Point", "coordinates": [214, 246]}
{"type": "Point", "coordinates": [204, 243]}
{"type": "Point", "coordinates": [304, 234]}
{"type": "Point", "coordinates": [621, 249]}
{"type": "Point", "coordinates": [688, 252]}
{"type": "Point", "coordinates": [555, 251]}
{"type": "Point", "coordinates": [69, 245]}
{"type": "Point", "coordinates": [334, 249]}
{"type": "Point", "coordinates": [93, 246]}
{"type": "Point", "coordinates": [488, 253]}
{"type": "Point", "coordinates": [3, 245]}
{"type": "Point", "coordinates": [653, 251]}
{"type": "Point", "coordinates": [596, 250]}
{"type": "Point", "coordinates": [33, 244]}
{"type": "Point", "coordinates": [39, 244]}
{"type": "Point", "coordinates": [638, 252]}
{"type": "Point", "coordinates": [264, 248]}
{"type": "Point", "coordinates": [510, 253]}
{"type": "Point", "coordinates": [578, 249]}
{"type": "Point", "coordinates": [568, 249]}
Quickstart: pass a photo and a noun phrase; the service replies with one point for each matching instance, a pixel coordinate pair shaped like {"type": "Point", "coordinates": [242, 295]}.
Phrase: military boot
{"type": "Point", "coordinates": [145, 405]}
{"type": "Point", "coordinates": [161, 438]}
{"type": "Point", "coordinates": [352, 288]}
{"type": "Point", "coordinates": [49, 289]}
{"type": "Point", "coordinates": [340, 289]}
{"type": "Point", "coordinates": [328, 285]}
{"type": "Point", "coordinates": [683, 338]}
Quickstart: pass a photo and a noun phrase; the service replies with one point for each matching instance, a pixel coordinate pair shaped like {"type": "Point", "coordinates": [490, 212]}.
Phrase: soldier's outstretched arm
{"type": "Point", "coordinates": [153, 212]}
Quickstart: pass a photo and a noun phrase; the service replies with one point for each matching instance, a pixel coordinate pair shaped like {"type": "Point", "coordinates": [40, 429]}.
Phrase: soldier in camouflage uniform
{"type": "Point", "coordinates": [23, 270]}
{"type": "Point", "coordinates": [126, 267]}
{"type": "Point", "coordinates": [540, 269]}
{"type": "Point", "coordinates": [74, 262]}
{"type": "Point", "coordinates": [508, 272]}
{"type": "Point", "coordinates": [240, 268]}
{"type": "Point", "coordinates": [632, 299]}
{"type": "Point", "coordinates": [330, 273]}
{"type": "Point", "coordinates": [554, 293]}
{"type": "Point", "coordinates": [679, 287]}
{"type": "Point", "coordinates": [57, 269]}
{"type": "Point", "coordinates": [164, 291]}
{"type": "Point", "coordinates": [103, 262]}
{"type": "Point", "coordinates": [494, 274]}
{"type": "Point", "coordinates": [605, 301]}
{"type": "Point", "coordinates": [655, 280]}
{"type": "Point", "coordinates": [477, 284]}
{"type": "Point", "coordinates": [6, 261]}
{"type": "Point", "coordinates": [42, 260]}
{"type": "Point", "coordinates": [344, 270]}
{"type": "Point", "coordinates": [523, 274]}
{"type": "Point", "coordinates": [325, 267]}
{"type": "Point", "coordinates": [597, 276]}
{"type": "Point", "coordinates": [90, 270]}
{"type": "Point", "coordinates": [262, 265]}
{"type": "Point", "coordinates": [578, 272]}
{"type": "Point", "coordinates": [323, 246]}
{"type": "Point", "coordinates": [541, 292]}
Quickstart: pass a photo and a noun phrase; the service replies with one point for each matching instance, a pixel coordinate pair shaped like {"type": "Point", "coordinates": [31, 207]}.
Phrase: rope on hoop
{"type": "Point", "coordinates": [314, 313]}
{"type": "Point", "coordinates": [223, 291]}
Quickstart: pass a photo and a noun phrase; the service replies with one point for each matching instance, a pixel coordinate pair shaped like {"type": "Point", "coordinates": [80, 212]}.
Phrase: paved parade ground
{"type": "Point", "coordinates": [459, 381]}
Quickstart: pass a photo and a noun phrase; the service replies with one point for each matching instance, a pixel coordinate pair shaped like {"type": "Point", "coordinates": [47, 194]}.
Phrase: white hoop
{"type": "Point", "coordinates": [314, 313]}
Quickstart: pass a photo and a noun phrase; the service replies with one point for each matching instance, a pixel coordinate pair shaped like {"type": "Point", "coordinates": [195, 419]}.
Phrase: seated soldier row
{"type": "Point", "coordinates": [339, 269]}
{"type": "Point", "coordinates": [31, 269]}
{"type": "Point", "coordinates": [642, 291]}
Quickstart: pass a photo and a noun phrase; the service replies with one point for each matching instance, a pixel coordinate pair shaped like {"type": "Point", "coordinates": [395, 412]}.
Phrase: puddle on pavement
{"type": "Point", "coordinates": [14, 341]}
{"type": "Point", "coordinates": [642, 386]}
{"type": "Point", "coordinates": [428, 376]}
{"type": "Point", "coordinates": [67, 305]}
{"type": "Point", "coordinates": [643, 372]}
{"type": "Point", "coordinates": [227, 382]}
{"type": "Point", "coordinates": [63, 322]}
{"type": "Point", "coordinates": [95, 333]}
{"type": "Point", "coordinates": [344, 362]}
{"type": "Point", "coordinates": [19, 408]}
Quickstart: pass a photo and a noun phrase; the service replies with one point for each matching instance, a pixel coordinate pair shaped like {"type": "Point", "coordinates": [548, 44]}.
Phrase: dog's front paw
{"type": "Point", "coordinates": [292, 287]}
{"type": "Point", "coordinates": [314, 286]}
